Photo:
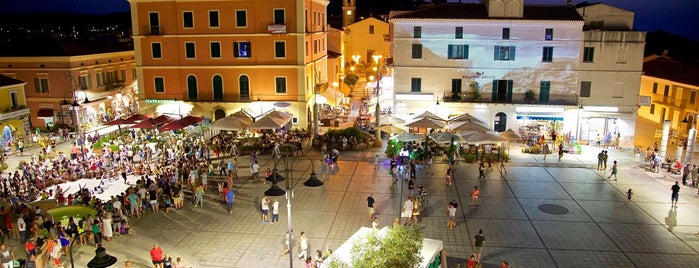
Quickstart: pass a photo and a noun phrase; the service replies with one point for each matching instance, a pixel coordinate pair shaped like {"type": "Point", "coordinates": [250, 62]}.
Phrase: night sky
{"type": "Point", "coordinates": [675, 16]}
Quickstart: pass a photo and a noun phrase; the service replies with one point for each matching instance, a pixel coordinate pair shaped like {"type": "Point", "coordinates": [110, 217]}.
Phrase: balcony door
{"type": "Point", "coordinates": [502, 91]}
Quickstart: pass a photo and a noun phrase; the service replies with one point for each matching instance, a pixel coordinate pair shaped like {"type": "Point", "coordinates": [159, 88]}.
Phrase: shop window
{"type": "Point", "coordinates": [218, 88]}
{"type": "Point", "coordinates": [219, 114]}
{"type": "Point", "coordinates": [244, 87]}
{"type": "Point", "coordinates": [192, 93]}
{"type": "Point", "coordinates": [500, 122]}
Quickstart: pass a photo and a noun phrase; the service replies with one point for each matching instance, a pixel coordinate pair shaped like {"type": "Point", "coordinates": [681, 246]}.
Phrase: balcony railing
{"type": "Point", "coordinates": [517, 98]}
{"type": "Point", "coordinates": [13, 113]}
{"type": "Point", "coordinates": [276, 28]}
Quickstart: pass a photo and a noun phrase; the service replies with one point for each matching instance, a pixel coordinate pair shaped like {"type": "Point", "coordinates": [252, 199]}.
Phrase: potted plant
{"type": "Point", "coordinates": [529, 96]}
{"type": "Point", "coordinates": [475, 94]}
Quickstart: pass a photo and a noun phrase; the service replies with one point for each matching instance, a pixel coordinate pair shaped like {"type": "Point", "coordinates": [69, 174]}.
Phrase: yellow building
{"type": "Point", "coordinates": [367, 38]}
{"type": "Point", "coordinates": [14, 114]}
{"type": "Point", "coordinates": [669, 91]}
{"type": "Point", "coordinates": [222, 56]}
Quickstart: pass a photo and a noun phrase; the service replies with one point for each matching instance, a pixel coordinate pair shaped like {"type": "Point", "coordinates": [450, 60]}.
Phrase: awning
{"type": "Point", "coordinates": [45, 113]}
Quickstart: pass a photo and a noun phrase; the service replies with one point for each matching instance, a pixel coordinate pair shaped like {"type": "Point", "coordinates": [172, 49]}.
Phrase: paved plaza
{"type": "Point", "coordinates": [542, 213]}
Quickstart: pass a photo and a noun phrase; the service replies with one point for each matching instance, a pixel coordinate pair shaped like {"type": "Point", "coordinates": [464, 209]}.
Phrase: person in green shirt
{"type": "Point", "coordinates": [96, 231]}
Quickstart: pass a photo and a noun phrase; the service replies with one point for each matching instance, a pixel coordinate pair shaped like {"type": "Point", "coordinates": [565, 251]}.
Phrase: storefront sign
{"type": "Point", "coordinates": [158, 101]}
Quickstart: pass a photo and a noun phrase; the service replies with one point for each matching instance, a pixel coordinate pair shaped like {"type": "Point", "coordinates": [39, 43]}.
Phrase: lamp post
{"type": "Point", "coordinates": [379, 73]}
{"type": "Point", "coordinates": [336, 85]}
{"type": "Point", "coordinates": [274, 190]}
{"type": "Point", "coordinates": [691, 139]}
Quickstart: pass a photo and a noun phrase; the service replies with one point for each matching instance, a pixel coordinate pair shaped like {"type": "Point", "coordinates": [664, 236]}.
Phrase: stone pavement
{"type": "Point", "coordinates": [542, 213]}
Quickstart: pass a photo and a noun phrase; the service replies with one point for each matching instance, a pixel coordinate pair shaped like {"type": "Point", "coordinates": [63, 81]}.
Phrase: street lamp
{"type": "Point", "coordinates": [275, 190]}
{"type": "Point", "coordinates": [356, 58]}
{"type": "Point", "coordinates": [76, 107]}
{"type": "Point", "coordinates": [377, 142]}
{"type": "Point", "coordinates": [691, 138]}
{"type": "Point", "coordinates": [101, 259]}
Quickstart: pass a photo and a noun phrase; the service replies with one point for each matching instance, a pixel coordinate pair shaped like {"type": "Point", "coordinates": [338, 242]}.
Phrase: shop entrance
{"type": "Point", "coordinates": [219, 114]}
{"type": "Point", "coordinates": [606, 128]}
{"type": "Point", "coordinates": [500, 123]}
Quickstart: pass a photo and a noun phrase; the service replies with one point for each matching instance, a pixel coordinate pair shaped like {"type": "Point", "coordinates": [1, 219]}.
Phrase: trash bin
{"type": "Point", "coordinates": [337, 123]}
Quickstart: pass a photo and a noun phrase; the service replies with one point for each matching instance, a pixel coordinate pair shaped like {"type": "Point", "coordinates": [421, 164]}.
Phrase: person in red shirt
{"type": "Point", "coordinates": [156, 255]}
{"type": "Point", "coordinates": [471, 263]}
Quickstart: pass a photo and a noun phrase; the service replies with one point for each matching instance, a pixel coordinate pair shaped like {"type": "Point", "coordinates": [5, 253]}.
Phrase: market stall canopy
{"type": "Point", "coordinates": [428, 115]}
{"type": "Point", "coordinates": [273, 120]}
{"type": "Point", "coordinates": [118, 122]}
{"type": "Point", "coordinates": [137, 118]}
{"type": "Point", "coordinates": [510, 135]}
{"type": "Point", "coordinates": [181, 123]}
{"type": "Point", "coordinates": [155, 122]}
{"type": "Point", "coordinates": [482, 137]}
{"type": "Point", "coordinates": [389, 119]}
{"type": "Point", "coordinates": [468, 125]}
{"type": "Point", "coordinates": [406, 137]}
{"type": "Point", "coordinates": [444, 137]}
{"type": "Point", "coordinates": [466, 117]}
{"type": "Point", "coordinates": [392, 129]}
{"type": "Point", "coordinates": [232, 122]}
{"type": "Point", "coordinates": [427, 122]}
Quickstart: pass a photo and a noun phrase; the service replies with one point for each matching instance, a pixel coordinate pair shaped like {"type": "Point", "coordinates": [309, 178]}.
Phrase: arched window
{"type": "Point", "coordinates": [500, 123]}
{"type": "Point", "coordinates": [244, 87]}
{"type": "Point", "coordinates": [219, 114]}
{"type": "Point", "coordinates": [192, 87]}
{"type": "Point", "coordinates": [218, 88]}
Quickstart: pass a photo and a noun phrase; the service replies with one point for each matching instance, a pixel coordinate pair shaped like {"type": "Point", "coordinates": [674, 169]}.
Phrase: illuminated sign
{"type": "Point", "coordinates": [158, 101]}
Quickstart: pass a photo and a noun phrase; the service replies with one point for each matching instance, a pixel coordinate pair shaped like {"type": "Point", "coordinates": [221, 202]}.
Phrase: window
{"type": "Point", "coordinates": [652, 108]}
{"type": "Point", "coordinates": [459, 33]}
{"type": "Point", "coordinates": [655, 88]}
{"type": "Point", "coordinates": [588, 54]}
{"type": "Point", "coordinates": [415, 84]}
{"type": "Point", "coordinates": [99, 77]}
{"type": "Point", "coordinates": [502, 90]}
{"type": "Point", "coordinates": [279, 17]}
{"type": "Point", "coordinates": [189, 50]}
{"type": "Point", "coordinates": [458, 52]}
{"type": "Point", "coordinates": [154, 21]}
{"type": "Point", "coordinates": [548, 54]}
{"type": "Point", "coordinates": [241, 18]}
{"type": "Point", "coordinates": [544, 91]}
{"type": "Point", "coordinates": [192, 93]}
{"type": "Point", "coordinates": [315, 46]}
{"type": "Point", "coordinates": [456, 87]}
{"type": "Point", "coordinates": [417, 32]}
{"type": "Point", "coordinates": [218, 87]}
{"type": "Point", "coordinates": [549, 34]}
{"type": "Point", "coordinates": [585, 87]}
{"type": "Point", "coordinates": [85, 81]}
{"type": "Point", "coordinates": [123, 75]}
{"type": "Point", "coordinates": [306, 47]}
{"type": "Point", "coordinates": [505, 33]}
{"type": "Point", "coordinates": [241, 49]}
{"type": "Point", "coordinates": [280, 85]}
{"type": "Point", "coordinates": [213, 19]}
{"type": "Point", "coordinates": [215, 50]}
{"type": "Point", "coordinates": [371, 29]}
{"type": "Point", "coordinates": [417, 51]}
{"type": "Point", "coordinates": [41, 84]}
{"type": "Point", "coordinates": [156, 50]}
{"type": "Point", "coordinates": [188, 19]}
{"type": "Point", "coordinates": [666, 93]}
{"type": "Point", "coordinates": [279, 49]}
{"type": "Point", "coordinates": [692, 97]}
{"type": "Point", "coordinates": [133, 73]}
{"type": "Point", "coordinates": [506, 53]}
{"type": "Point", "coordinates": [244, 87]}
{"type": "Point", "coordinates": [159, 84]}
{"type": "Point", "coordinates": [111, 77]}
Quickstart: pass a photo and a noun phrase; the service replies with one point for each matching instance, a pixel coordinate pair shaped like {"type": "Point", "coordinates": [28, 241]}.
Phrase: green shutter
{"type": "Point", "coordinates": [509, 90]}
{"type": "Point", "coordinates": [496, 54]}
{"type": "Point", "coordinates": [465, 51]}
{"type": "Point", "coordinates": [450, 50]}
{"type": "Point", "coordinates": [512, 52]}
{"type": "Point", "coordinates": [494, 96]}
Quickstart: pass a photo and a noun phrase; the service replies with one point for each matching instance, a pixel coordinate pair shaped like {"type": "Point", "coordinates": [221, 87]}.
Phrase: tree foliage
{"type": "Point", "coordinates": [351, 80]}
{"type": "Point", "coordinates": [399, 248]}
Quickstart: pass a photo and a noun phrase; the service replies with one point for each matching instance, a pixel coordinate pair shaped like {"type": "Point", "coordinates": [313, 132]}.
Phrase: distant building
{"type": "Point", "coordinates": [529, 68]}
{"type": "Point", "coordinates": [98, 77]}
{"type": "Point", "coordinates": [222, 56]}
{"type": "Point", "coordinates": [14, 114]}
{"type": "Point", "coordinates": [349, 12]}
{"type": "Point", "coordinates": [367, 38]}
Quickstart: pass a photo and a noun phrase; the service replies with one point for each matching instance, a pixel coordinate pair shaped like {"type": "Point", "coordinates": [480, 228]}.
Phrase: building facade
{"type": "Point", "coordinates": [222, 56]}
{"type": "Point", "coordinates": [367, 38]}
{"type": "Point", "coordinates": [509, 64]}
{"type": "Point", "coordinates": [14, 114]}
{"type": "Point", "coordinates": [101, 83]}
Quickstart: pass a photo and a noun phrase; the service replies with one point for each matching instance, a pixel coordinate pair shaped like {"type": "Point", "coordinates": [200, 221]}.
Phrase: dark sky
{"type": "Point", "coordinates": [675, 16]}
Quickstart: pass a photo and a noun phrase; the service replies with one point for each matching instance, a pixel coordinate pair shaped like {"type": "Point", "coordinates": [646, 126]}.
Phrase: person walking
{"type": "Point", "coordinates": [605, 157]}
{"type": "Point", "coordinates": [230, 196]}
{"type": "Point", "coordinates": [693, 175]}
{"type": "Point", "coordinates": [560, 152]}
{"type": "Point", "coordinates": [275, 211]}
{"type": "Point", "coordinates": [370, 204]}
{"type": "Point", "coordinates": [629, 194]}
{"type": "Point", "coordinates": [6, 256]}
{"type": "Point", "coordinates": [448, 176]}
{"type": "Point", "coordinates": [156, 256]}
{"type": "Point", "coordinates": [502, 166]}
{"type": "Point", "coordinates": [255, 170]}
{"type": "Point", "coordinates": [411, 185]}
{"type": "Point", "coordinates": [685, 173]}
{"type": "Point", "coordinates": [451, 215]}
{"type": "Point", "coordinates": [675, 194]}
{"type": "Point", "coordinates": [478, 243]}
{"type": "Point", "coordinates": [545, 150]}
{"type": "Point", "coordinates": [407, 210]}
{"type": "Point", "coordinates": [481, 171]}
{"type": "Point", "coordinates": [600, 155]}
{"type": "Point", "coordinates": [474, 196]}
{"type": "Point", "coordinates": [199, 192]}
{"type": "Point", "coordinates": [303, 246]}
{"type": "Point", "coordinates": [376, 163]}
{"type": "Point", "coordinates": [614, 171]}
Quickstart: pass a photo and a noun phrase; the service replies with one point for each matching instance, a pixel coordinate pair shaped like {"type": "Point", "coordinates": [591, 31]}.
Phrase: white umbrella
{"type": "Point", "coordinates": [389, 119]}
{"type": "Point", "coordinates": [232, 122]}
{"type": "Point", "coordinates": [443, 137]}
{"type": "Point", "coordinates": [483, 137]}
{"type": "Point", "coordinates": [510, 135]}
{"type": "Point", "coordinates": [428, 115]}
{"type": "Point", "coordinates": [406, 137]}
{"type": "Point", "coordinates": [468, 125]}
{"type": "Point", "coordinates": [427, 122]}
{"type": "Point", "coordinates": [466, 117]}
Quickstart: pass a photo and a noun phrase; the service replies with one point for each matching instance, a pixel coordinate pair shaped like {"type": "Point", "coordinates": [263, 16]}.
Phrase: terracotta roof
{"type": "Point", "coordinates": [46, 47]}
{"type": "Point", "coordinates": [9, 81]}
{"type": "Point", "coordinates": [478, 11]}
{"type": "Point", "coordinates": [333, 54]}
{"type": "Point", "coordinates": [681, 72]}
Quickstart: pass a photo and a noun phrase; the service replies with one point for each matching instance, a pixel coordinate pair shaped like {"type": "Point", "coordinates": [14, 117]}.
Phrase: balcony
{"type": "Point", "coordinates": [517, 98]}
{"type": "Point", "coordinates": [276, 29]}
{"type": "Point", "coordinates": [10, 113]}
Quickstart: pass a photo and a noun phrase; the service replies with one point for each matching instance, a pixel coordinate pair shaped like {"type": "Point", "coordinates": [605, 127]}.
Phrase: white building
{"type": "Point", "coordinates": [526, 64]}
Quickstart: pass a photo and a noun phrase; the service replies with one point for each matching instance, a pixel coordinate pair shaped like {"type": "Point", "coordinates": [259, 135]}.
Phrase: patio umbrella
{"type": "Point", "coordinates": [118, 122]}
{"type": "Point", "coordinates": [391, 129]}
{"type": "Point", "coordinates": [483, 137]}
{"type": "Point", "coordinates": [427, 122]}
{"type": "Point", "coordinates": [181, 123]}
{"type": "Point", "coordinates": [468, 125]}
{"type": "Point", "coordinates": [281, 118]}
{"type": "Point", "coordinates": [510, 135]}
{"type": "Point", "coordinates": [444, 137]}
{"type": "Point", "coordinates": [389, 119]}
{"type": "Point", "coordinates": [152, 123]}
{"type": "Point", "coordinates": [466, 117]}
{"type": "Point", "coordinates": [406, 137]}
{"type": "Point", "coordinates": [137, 117]}
{"type": "Point", "coordinates": [267, 123]}
{"type": "Point", "coordinates": [232, 122]}
{"type": "Point", "coordinates": [429, 115]}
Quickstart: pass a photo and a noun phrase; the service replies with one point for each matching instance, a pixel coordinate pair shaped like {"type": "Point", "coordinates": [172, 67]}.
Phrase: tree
{"type": "Point", "coordinates": [351, 80]}
{"type": "Point", "coordinates": [398, 247]}
{"type": "Point", "coordinates": [475, 94]}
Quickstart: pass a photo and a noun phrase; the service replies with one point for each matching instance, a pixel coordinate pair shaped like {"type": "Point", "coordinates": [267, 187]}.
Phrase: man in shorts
{"type": "Point", "coordinates": [451, 214]}
{"type": "Point", "coordinates": [264, 203]}
{"type": "Point", "coordinates": [255, 170]}
{"type": "Point", "coordinates": [156, 256]}
{"type": "Point", "coordinates": [675, 194]}
{"type": "Point", "coordinates": [478, 243]}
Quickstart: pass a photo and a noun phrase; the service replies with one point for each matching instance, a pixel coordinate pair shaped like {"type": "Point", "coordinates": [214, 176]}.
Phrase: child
{"type": "Point", "coordinates": [629, 194]}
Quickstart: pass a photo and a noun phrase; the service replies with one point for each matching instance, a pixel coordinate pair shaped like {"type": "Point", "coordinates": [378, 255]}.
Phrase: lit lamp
{"type": "Point", "coordinates": [275, 190]}
{"type": "Point", "coordinates": [352, 68]}
{"type": "Point", "coordinates": [356, 58]}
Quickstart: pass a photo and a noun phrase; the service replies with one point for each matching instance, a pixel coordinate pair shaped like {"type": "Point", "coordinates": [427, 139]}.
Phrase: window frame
{"type": "Point", "coordinates": [152, 50]}
{"type": "Point", "coordinates": [276, 85]}
{"type": "Point", "coordinates": [510, 52]}
{"type": "Point", "coordinates": [237, 18]}
{"type": "Point", "coordinates": [274, 16]}
{"type": "Point", "coordinates": [547, 54]}
{"type": "Point", "coordinates": [218, 19]}
{"type": "Point", "coordinates": [276, 49]}
{"type": "Point", "coordinates": [585, 86]}
{"type": "Point", "coordinates": [417, 31]}
{"type": "Point", "coordinates": [459, 32]}
{"type": "Point", "coordinates": [415, 85]}
{"type": "Point", "coordinates": [506, 33]}
{"type": "Point", "coordinates": [213, 88]}
{"type": "Point", "coordinates": [371, 29]}
{"type": "Point", "coordinates": [211, 49]}
{"type": "Point", "coordinates": [184, 19]}
{"type": "Point", "coordinates": [40, 86]}
{"type": "Point", "coordinates": [588, 54]}
{"type": "Point", "coordinates": [416, 51]}
{"type": "Point", "coordinates": [194, 50]}
{"type": "Point", "coordinates": [460, 56]}
{"type": "Point", "coordinates": [548, 34]}
{"type": "Point", "coordinates": [155, 84]}
{"type": "Point", "coordinates": [655, 87]}
{"type": "Point", "coordinates": [240, 94]}
{"type": "Point", "coordinates": [236, 49]}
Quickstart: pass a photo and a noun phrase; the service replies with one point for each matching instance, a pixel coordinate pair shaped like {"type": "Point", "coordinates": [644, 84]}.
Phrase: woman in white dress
{"type": "Point", "coordinates": [107, 227]}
